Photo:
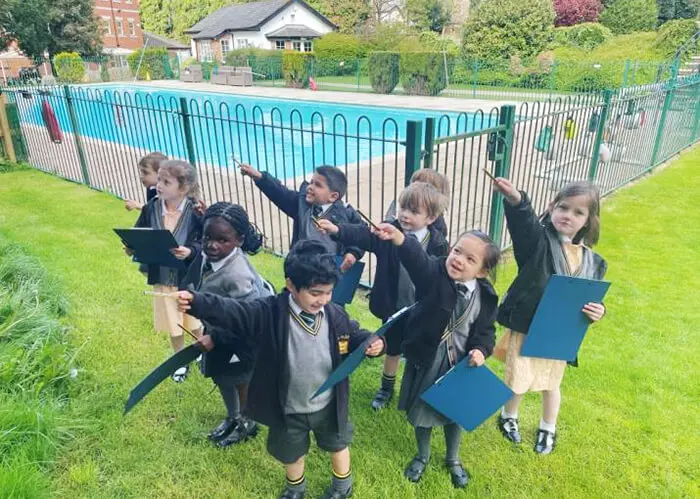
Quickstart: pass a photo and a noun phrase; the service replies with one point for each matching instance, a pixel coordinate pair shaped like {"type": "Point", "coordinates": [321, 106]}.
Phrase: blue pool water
{"type": "Point", "coordinates": [285, 137]}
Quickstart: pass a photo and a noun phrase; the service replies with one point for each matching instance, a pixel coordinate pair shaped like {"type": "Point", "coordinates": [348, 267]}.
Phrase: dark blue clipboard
{"type": "Point", "coordinates": [344, 290]}
{"type": "Point", "coordinates": [559, 326]}
{"type": "Point", "coordinates": [353, 360]}
{"type": "Point", "coordinates": [151, 246]}
{"type": "Point", "coordinates": [467, 395]}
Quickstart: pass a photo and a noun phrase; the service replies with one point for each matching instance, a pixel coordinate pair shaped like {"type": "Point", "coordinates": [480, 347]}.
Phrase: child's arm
{"type": "Point", "coordinates": [285, 199]}
{"type": "Point", "coordinates": [482, 340]}
{"type": "Point", "coordinates": [131, 205]}
{"type": "Point", "coordinates": [354, 220]}
{"type": "Point", "coordinates": [374, 348]}
{"type": "Point", "coordinates": [420, 267]}
{"type": "Point", "coordinates": [523, 225]}
{"type": "Point", "coordinates": [354, 235]}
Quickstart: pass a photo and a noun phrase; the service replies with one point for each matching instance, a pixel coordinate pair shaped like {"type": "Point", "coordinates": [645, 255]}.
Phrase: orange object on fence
{"type": "Point", "coordinates": [51, 122]}
{"type": "Point", "coordinates": [312, 84]}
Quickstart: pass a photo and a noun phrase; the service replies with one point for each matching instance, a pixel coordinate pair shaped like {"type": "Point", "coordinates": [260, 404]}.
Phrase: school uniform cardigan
{"type": "Point", "coordinates": [382, 300]}
{"type": "Point", "coordinates": [427, 321]}
{"type": "Point", "coordinates": [265, 322]}
{"type": "Point", "coordinates": [535, 265]}
{"type": "Point", "coordinates": [294, 204]}
{"type": "Point", "coordinates": [193, 241]}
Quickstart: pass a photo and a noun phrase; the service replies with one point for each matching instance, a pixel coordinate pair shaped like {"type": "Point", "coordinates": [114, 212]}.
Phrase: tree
{"type": "Point", "coordinates": [428, 15]}
{"type": "Point", "coordinates": [52, 26]}
{"type": "Point", "coordinates": [570, 12]}
{"type": "Point", "coordinates": [677, 9]}
{"type": "Point", "coordinates": [627, 16]}
{"type": "Point", "coordinates": [499, 29]}
{"type": "Point", "coordinates": [348, 15]}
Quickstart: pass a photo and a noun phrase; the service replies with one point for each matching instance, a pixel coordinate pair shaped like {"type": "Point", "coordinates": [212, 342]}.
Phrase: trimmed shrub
{"type": "Point", "coordinates": [673, 34]}
{"type": "Point", "coordinates": [261, 61]}
{"type": "Point", "coordinates": [384, 71]}
{"type": "Point", "coordinates": [297, 67]}
{"type": "Point", "coordinates": [627, 16]}
{"type": "Point", "coordinates": [69, 67]}
{"type": "Point", "coordinates": [423, 73]}
{"type": "Point", "coordinates": [586, 36]}
{"type": "Point", "coordinates": [340, 46]}
{"type": "Point", "coordinates": [571, 12]}
{"type": "Point", "coordinates": [155, 64]}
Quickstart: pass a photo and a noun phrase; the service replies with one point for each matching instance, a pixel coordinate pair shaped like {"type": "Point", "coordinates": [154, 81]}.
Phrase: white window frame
{"type": "Point", "coordinates": [225, 44]}
{"type": "Point", "coordinates": [277, 44]}
{"type": "Point", "coordinates": [205, 49]}
{"type": "Point", "coordinates": [120, 25]}
{"type": "Point", "coordinates": [296, 45]}
{"type": "Point", "coordinates": [131, 24]}
{"type": "Point", "coordinates": [107, 25]}
{"type": "Point", "coordinates": [242, 43]}
{"type": "Point", "coordinates": [308, 46]}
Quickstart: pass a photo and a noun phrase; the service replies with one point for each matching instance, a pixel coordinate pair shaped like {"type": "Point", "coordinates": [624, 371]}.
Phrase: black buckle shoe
{"type": "Point", "coordinates": [382, 398]}
{"type": "Point", "coordinates": [332, 493]}
{"type": "Point", "coordinates": [223, 430]}
{"type": "Point", "coordinates": [546, 441]}
{"type": "Point", "coordinates": [415, 469]}
{"type": "Point", "coordinates": [509, 429]}
{"type": "Point", "coordinates": [459, 476]}
{"type": "Point", "coordinates": [292, 494]}
{"type": "Point", "coordinates": [246, 429]}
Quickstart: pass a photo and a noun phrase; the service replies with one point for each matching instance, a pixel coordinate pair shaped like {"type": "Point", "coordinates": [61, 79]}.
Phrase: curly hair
{"type": "Point", "coordinates": [237, 218]}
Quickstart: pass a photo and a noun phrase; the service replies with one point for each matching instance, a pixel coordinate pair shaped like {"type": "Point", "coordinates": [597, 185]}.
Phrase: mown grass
{"type": "Point", "coordinates": [627, 426]}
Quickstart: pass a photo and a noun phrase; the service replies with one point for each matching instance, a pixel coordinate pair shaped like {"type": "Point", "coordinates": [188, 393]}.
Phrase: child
{"type": "Point", "coordinates": [173, 209]}
{"type": "Point", "coordinates": [148, 174]}
{"type": "Point", "coordinates": [437, 180]}
{"type": "Point", "coordinates": [224, 270]}
{"type": "Point", "coordinates": [302, 338]}
{"type": "Point", "coordinates": [420, 204]}
{"type": "Point", "coordinates": [552, 245]}
{"type": "Point", "coordinates": [319, 199]}
{"type": "Point", "coordinates": [454, 318]}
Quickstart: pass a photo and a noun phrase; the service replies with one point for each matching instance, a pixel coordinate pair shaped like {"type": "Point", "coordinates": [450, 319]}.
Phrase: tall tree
{"type": "Point", "coordinates": [428, 15]}
{"type": "Point", "coordinates": [677, 9]}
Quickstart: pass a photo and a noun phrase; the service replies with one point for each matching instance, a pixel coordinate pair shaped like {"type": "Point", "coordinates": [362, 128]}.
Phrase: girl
{"type": "Point", "coordinates": [223, 269]}
{"type": "Point", "coordinates": [453, 319]}
{"type": "Point", "coordinates": [173, 209]}
{"type": "Point", "coordinates": [552, 245]}
{"type": "Point", "coordinates": [148, 174]}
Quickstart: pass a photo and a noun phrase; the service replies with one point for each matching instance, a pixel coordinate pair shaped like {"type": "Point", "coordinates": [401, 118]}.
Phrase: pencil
{"type": "Point", "coordinates": [367, 219]}
{"type": "Point", "coordinates": [188, 332]}
{"type": "Point", "coordinates": [488, 174]}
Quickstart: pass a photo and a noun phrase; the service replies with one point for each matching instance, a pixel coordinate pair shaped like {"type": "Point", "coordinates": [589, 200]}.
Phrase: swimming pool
{"type": "Point", "coordinates": [285, 137]}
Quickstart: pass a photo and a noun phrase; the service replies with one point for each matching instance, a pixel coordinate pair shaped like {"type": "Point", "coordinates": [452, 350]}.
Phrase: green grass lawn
{"type": "Point", "coordinates": [628, 425]}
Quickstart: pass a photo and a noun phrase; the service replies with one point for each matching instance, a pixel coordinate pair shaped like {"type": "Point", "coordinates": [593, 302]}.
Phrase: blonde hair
{"type": "Point", "coordinates": [423, 196]}
{"type": "Point", "coordinates": [152, 161]}
{"type": "Point", "coordinates": [434, 178]}
{"type": "Point", "coordinates": [185, 174]}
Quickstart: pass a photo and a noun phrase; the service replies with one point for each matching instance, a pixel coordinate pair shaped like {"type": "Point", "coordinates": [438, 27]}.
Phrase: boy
{"type": "Point", "coordinates": [302, 338]}
{"type": "Point", "coordinates": [148, 174]}
{"type": "Point", "coordinates": [420, 204]}
{"type": "Point", "coordinates": [321, 198]}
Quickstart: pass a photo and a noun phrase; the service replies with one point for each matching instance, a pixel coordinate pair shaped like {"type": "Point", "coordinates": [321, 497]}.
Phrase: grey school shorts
{"type": "Point", "coordinates": [288, 444]}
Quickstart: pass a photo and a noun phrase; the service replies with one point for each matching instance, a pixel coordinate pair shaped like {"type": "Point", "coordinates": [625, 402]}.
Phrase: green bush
{"type": "Point", "coordinates": [499, 29]}
{"type": "Point", "coordinates": [261, 61]}
{"type": "Point", "coordinates": [69, 67]}
{"type": "Point", "coordinates": [627, 16]}
{"type": "Point", "coordinates": [434, 42]}
{"type": "Point", "coordinates": [340, 46]}
{"type": "Point", "coordinates": [673, 34]}
{"type": "Point", "coordinates": [423, 73]}
{"type": "Point", "coordinates": [384, 71]}
{"type": "Point", "coordinates": [584, 35]}
{"type": "Point", "coordinates": [297, 67]}
{"type": "Point", "coordinates": [155, 64]}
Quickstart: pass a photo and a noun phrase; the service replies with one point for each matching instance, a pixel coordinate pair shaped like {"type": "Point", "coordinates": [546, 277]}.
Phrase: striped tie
{"type": "Point", "coordinates": [309, 319]}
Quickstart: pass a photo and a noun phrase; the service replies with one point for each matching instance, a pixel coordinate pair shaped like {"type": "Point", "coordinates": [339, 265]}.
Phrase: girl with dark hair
{"type": "Point", "coordinates": [223, 269]}
{"type": "Point", "coordinates": [557, 243]}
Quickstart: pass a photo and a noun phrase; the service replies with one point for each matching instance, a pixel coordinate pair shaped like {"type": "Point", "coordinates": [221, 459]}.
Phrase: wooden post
{"type": "Point", "coordinates": [5, 130]}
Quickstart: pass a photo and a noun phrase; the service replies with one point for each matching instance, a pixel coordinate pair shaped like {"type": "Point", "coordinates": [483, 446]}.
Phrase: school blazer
{"type": "Point", "coordinates": [428, 319]}
{"type": "Point", "coordinates": [535, 265]}
{"type": "Point", "coordinates": [293, 203]}
{"type": "Point", "coordinates": [265, 323]}
{"type": "Point", "coordinates": [382, 300]}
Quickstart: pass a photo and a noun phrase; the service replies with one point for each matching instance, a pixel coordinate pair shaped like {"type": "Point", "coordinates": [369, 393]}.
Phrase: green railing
{"type": "Point", "coordinates": [610, 138]}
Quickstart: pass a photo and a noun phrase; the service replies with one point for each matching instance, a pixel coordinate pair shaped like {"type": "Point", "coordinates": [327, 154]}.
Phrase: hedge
{"type": "Point", "coordinates": [384, 71]}
{"type": "Point", "coordinates": [155, 64]}
{"type": "Point", "coordinates": [69, 67]}
{"type": "Point", "coordinates": [423, 73]}
{"type": "Point", "coordinates": [297, 67]}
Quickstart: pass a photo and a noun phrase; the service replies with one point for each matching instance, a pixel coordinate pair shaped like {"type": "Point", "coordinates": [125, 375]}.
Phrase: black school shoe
{"type": "Point", "coordinates": [546, 441]}
{"type": "Point", "coordinates": [382, 399]}
{"type": "Point", "coordinates": [415, 469]}
{"type": "Point", "coordinates": [509, 429]}
{"type": "Point", "coordinates": [292, 494]}
{"type": "Point", "coordinates": [459, 476]}
{"type": "Point", "coordinates": [245, 429]}
{"type": "Point", "coordinates": [223, 430]}
{"type": "Point", "coordinates": [332, 493]}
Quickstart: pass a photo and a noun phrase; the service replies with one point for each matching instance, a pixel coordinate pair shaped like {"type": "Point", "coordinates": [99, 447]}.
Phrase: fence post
{"type": "Point", "coordinates": [504, 148]}
{"type": "Point", "coordinates": [359, 62]}
{"type": "Point", "coordinates": [625, 75]}
{"type": "Point", "coordinates": [414, 134]}
{"type": "Point", "coordinates": [187, 129]}
{"type": "Point", "coordinates": [76, 135]}
{"type": "Point", "coordinates": [429, 142]}
{"type": "Point", "coordinates": [599, 135]}
{"type": "Point", "coordinates": [552, 78]}
{"type": "Point", "coordinates": [475, 70]}
{"type": "Point", "coordinates": [696, 121]}
{"type": "Point", "coordinates": [668, 99]}
{"type": "Point", "coordinates": [5, 133]}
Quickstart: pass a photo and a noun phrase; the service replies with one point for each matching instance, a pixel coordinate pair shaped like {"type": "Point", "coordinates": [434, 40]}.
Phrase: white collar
{"type": "Point", "coordinates": [215, 266]}
{"type": "Point", "coordinates": [324, 207]}
{"type": "Point", "coordinates": [420, 233]}
{"type": "Point", "coordinates": [471, 284]}
{"type": "Point", "coordinates": [180, 207]}
{"type": "Point", "coordinates": [296, 308]}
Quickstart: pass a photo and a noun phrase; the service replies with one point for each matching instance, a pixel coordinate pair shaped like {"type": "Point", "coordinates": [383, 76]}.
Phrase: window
{"type": "Point", "coordinates": [107, 25]}
{"type": "Point", "coordinates": [128, 1]}
{"type": "Point", "coordinates": [132, 27]}
{"type": "Point", "coordinates": [279, 45]}
{"type": "Point", "coordinates": [225, 47]}
{"type": "Point", "coordinates": [307, 46]}
{"type": "Point", "coordinates": [242, 43]}
{"type": "Point", "coordinates": [205, 48]}
{"type": "Point", "coordinates": [120, 27]}
{"type": "Point", "coordinates": [296, 46]}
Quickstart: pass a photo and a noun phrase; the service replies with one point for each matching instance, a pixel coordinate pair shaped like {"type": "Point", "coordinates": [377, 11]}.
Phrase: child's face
{"type": "Point", "coordinates": [168, 187]}
{"type": "Point", "coordinates": [312, 299]}
{"type": "Point", "coordinates": [148, 176]}
{"type": "Point", "coordinates": [466, 259]}
{"type": "Point", "coordinates": [220, 239]}
{"type": "Point", "coordinates": [318, 192]}
{"type": "Point", "coordinates": [413, 220]}
{"type": "Point", "coordinates": [570, 215]}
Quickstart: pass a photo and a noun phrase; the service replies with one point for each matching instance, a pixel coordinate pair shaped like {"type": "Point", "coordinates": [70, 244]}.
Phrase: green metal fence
{"type": "Point", "coordinates": [610, 139]}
